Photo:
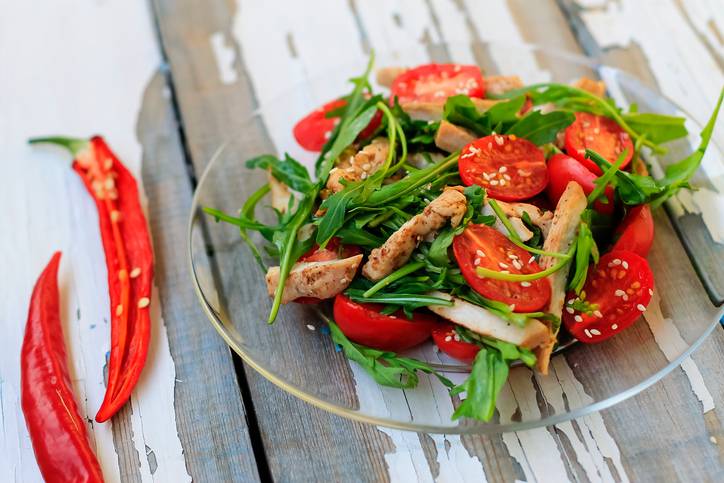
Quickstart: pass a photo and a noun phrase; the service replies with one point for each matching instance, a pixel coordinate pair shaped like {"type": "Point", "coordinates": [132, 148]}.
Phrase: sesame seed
{"type": "Point", "coordinates": [624, 297]}
{"type": "Point", "coordinates": [588, 333]}
{"type": "Point", "coordinates": [525, 284]}
{"type": "Point", "coordinates": [651, 291]}
{"type": "Point", "coordinates": [507, 176]}
{"type": "Point", "coordinates": [502, 265]}
{"type": "Point", "coordinates": [494, 182]}
{"type": "Point", "coordinates": [512, 306]}
{"type": "Point", "coordinates": [119, 309]}
{"type": "Point", "coordinates": [479, 253]}
{"type": "Point", "coordinates": [619, 293]}
{"type": "Point", "coordinates": [457, 338]}
{"type": "Point", "coordinates": [343, 280]}
{"type": "Point", "coordinates": [310, 327]}
{"type": "Point", "coordinates": [616, 261]}
{"type": "Point", "coordinates": [144, 302]}
{"type": "Point", "coordinates": [502, 182]}
{"type": "Point", "coordinates": [517, 264]}
{"type": "Point", "coordinates": [614, 327]}
{"type": "Point", "coordinates": [712, 439]}
{"type": "Point", "coordinates": [499, 140]}
{"type": "Point", "coordinates": [364, 175]}
{"type": "Point", "coordinates": [570, 310]}
{"type": "Point", "coordinates": [135, 272]}
{"type": "Point", "coordinates": [571, 301]}
{"type": "Point", "coordinates": [477, 261]}
{"type": "Point", "coordinates": [366, 166]}
{"type": "Point", "coordinates": [486, 176]}
{"type": "Point", "coordinates": [578, 318]}
{"type": "Point", "coordinates": [512, 256]}
{"type": "Point", "coordinates": [502, 169]}
{"type": "Point", "coordinates": [598, 314]}
{"type": "Point", "coordinates": [641, 307]}
{"type": "Point", "coordinates": [595, 332]}
{"type": "Point", "coordinates": [624, 264]}
{"type": "Point", "coordinates": [448, 338]}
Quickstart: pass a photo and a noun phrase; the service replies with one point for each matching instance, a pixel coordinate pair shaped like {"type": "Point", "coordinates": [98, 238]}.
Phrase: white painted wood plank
{"type": "Point", "coordinates": [79, 68]}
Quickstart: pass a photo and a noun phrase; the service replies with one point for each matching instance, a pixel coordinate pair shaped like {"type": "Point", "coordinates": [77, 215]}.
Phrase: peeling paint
{"type": "Point", "coordinates": [225, 58]}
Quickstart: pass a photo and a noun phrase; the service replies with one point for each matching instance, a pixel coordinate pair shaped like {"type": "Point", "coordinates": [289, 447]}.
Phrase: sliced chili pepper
{"type": "Point", "coordinates": [129, 259]}
{"type": "Point", "coordinates": [56, 428]}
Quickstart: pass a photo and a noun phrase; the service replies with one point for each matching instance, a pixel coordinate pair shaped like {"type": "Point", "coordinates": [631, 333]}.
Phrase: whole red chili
{"type": "Point", "coordinates": [57, 431]}
{"type": "Point", "coordinates": [129, 259]}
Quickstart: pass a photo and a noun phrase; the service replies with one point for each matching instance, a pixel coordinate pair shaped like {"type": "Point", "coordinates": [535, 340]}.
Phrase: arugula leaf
{"type": "Point", "coordinates": [248, 211]}
{"type": "Point", "coordinates": [438, 253]}
{"type": "Point", "coordinates": [541, 128]}
{"type": "Point", "coordinates": [537, 240]}
{"type": "Point", "coordinates": [488, 375]}
{"type": "Point", "coordinates": [659, 128]}
{"type": "Point", "coordinates": [418, 132]}
{"type": "Point", "coordinates": [461, 111]}
{"type": "Point", "coordinates": [289, 171]}
{"type": "Point", "coordinates": [362, 238]}
{"type": "Point", "coordinates": [586, 249]}
{"type": "Point", "coordinates": [386, 368]}
{"type": "Point", "coordinates": [509, 351]}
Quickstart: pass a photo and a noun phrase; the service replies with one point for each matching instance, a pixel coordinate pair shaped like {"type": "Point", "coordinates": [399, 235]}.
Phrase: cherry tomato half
{"type": "Point", "coordinates": [445, 339]}
{"type": "Point", "coordinates": [432, 82]}
{"type": "Point", "coordinates": [508, 167]}
{"type": "Point", "coordinates": [562, 169]}
{"type": "Point", "coordinates": [617, 292]}
{"type": "Point", "coordinates": [313, 131]}
{"type": "Point", "coordinates": [600, 134]}
{"type": "Point", "coordinates": [364, 324]}
{"type": "Point", "coordinates": [636, 231]}
{"type": "Point", "coordinates": [483, 246]}
{"type": "Point", "coordinates": [333, 251]}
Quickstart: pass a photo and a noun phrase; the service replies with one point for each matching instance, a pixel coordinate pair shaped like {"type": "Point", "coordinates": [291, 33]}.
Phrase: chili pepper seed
{"type": "Point", "coordinates": [144, 302]}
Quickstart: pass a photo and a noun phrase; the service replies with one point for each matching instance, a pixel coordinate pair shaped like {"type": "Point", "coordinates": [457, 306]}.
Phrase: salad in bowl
{"type": "Point", "coordinates": [499, 220]}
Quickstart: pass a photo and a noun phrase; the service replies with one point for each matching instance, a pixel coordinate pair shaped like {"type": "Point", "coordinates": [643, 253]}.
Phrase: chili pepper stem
{"type": "Point", "coordinates": [74, 145]}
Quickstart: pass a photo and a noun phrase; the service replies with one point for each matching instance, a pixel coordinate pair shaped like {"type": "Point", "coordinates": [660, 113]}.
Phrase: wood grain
{"type": "Point", "coordinates": [210, 414]}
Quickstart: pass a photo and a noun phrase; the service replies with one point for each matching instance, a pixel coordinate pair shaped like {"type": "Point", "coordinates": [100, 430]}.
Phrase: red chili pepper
{"type": "Point", "coordinates": [57, 430]}
{"type": "Point", "coordinates": [129, 259]}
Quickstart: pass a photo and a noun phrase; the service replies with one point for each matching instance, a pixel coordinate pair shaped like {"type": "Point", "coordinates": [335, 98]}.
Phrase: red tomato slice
{"type": "Point", "coordinates": [333, 251]}
{"type": "Point", "coordinates": [313, 131]}
{"type": "Point", "coordinates": [508, 167]}
{"type": "Point", "coordinates": [617, 292]}
{"type": "Point", "coordinates": [364, 324]}
{"type": "Point", "coordinates": [483, 246]}
{"type": "Point", "coordinates": [449, 342]}
{"type": "Point", "coordinates": [433, 82]}
{"type": "Point", "coordinates": [562, 169]}
{"type": "Point", "coordinates": [636, 231]}
{"type": "Point", "coordinates": [601, 134]}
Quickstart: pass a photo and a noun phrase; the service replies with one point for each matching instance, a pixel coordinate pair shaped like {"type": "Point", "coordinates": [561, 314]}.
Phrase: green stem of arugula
{"type": "Point", "coordinates": [393, 277]}
{"type": "Point", "coordinates": [514, 235]}
{"type": "Point", "coordinates": [388, 192]}
{"type": "Point", "coordinates": [240, 222]}
{"type": "Point", "coordinates": [391, 136]}
{"type": "Point", "coordinates": [515, 277]}
{"type": "Point", "coordinates": [611, 111]}
{"type": "Point", "coordinates": [247, 211]}
{"type": "Point", "coordinates": [606, 177]}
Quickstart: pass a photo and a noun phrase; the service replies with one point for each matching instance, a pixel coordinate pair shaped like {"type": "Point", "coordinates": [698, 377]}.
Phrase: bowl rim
{"type": "Point", "coordinates": [355, 415]}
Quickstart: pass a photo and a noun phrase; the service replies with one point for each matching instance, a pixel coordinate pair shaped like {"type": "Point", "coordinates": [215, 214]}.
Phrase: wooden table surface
{"type": "Point", "coordinates": [167, 82]}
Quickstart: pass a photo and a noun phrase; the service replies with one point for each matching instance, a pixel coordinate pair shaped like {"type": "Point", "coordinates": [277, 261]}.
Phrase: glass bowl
{"type": "Point", "coordinates": [298, 355]}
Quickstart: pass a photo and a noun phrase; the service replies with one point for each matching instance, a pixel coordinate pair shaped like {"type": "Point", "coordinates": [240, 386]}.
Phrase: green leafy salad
{"type": "Point", "coordinates": [491, 217]}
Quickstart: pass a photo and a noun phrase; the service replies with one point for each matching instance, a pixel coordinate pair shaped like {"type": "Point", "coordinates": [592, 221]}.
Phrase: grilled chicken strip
{"type": "Point", "coordinates": [562, 234]}
{"type": "Point", "coordinates": [432, 110]}
{"type": "Point", "coordinates": [597, 88]}
{"type": "Point", "coordinates": [395, 252]}
{"type": "Point", "coordinates": [500, 84]}
{"type": "Point", "coordinates": [386, 75]}
{"type": "Point", "coordinates": [540, 218]}
{"type": "Point", "coordinates": [452, 138]}
{"type": "Point", "coordinates": [358, 167]}
{"type": "Point", "coordinates": [322, 280]}
{"type": "Point", "coordinates": [485, 323]}
{"type": "Point", "coordinates": [280, 193]}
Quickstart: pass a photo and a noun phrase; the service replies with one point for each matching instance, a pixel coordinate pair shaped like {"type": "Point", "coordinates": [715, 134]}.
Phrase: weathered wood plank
{"type": "Point", "coordinates": [210, 415]}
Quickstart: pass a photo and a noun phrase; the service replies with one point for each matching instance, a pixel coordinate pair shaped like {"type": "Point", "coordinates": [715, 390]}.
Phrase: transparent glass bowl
{"type": "Point", "coordinates": [297, 355]}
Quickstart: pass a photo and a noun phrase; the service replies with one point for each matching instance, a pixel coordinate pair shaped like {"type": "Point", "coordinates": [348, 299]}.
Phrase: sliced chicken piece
{"type": "Point", "coordinates": [500, 84]}
{"type": "Point", "coordinates": [432, 110]}
{"type": "Point", "coordinates": [280, 194]}
{"type": "Point", "coordinates": [358, 167]}
{"type": "Point", "coordinates": [597, 88]}
{"type": "Point", "coordinates": [322, 280]}
{"type": "Point", "coordinates": [396, 251]}
{"type": "Point", "coordinates": [386, 75]}
{"type": "Point", "coordinates": [452, 138]}
{"type": "Point", "coordinates": [540, 218]}
{"type": "Point", "coordinates": [561, 236]}
{"type": "Point", "coordinates": [484, 322]}
{"type": "Point", "coordinates": [523, 232]}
